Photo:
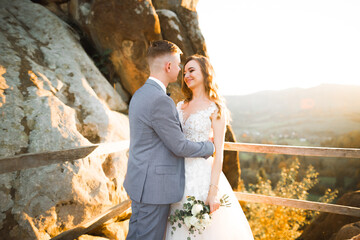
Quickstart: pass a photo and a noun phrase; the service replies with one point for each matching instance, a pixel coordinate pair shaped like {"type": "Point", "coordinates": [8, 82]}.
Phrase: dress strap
{"type": "Point", "coordinates": [212, 108]}
{"type": "Point", "coordinates": [179, 105]}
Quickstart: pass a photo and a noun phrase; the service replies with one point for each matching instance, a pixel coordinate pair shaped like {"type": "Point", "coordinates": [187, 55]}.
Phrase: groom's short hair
{"type": "Point", "coordinates": [160, 48]}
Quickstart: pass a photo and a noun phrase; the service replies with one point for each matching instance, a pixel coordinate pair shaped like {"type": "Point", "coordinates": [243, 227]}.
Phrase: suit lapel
{"type": "Point", "coordinates": [178, 118]}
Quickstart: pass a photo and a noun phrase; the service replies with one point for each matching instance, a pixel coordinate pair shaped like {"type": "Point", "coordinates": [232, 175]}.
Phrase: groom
{"type": "Point", "coordinates": [155, 174]}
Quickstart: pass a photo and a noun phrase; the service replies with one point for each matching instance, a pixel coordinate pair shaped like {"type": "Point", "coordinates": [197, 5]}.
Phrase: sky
{"type": "Point", "coordinates": [257, 45]}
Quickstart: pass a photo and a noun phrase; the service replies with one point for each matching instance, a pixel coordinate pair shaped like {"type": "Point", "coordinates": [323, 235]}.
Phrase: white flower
{"type": "Point", "coordinates": [190, 221]}
{"type": "Point", "coordinates": [196, 209]}
{"type": "Point", "coordinates": [206, 219]}
{"type": "Point", "coordinates": [187, 221]}
{"type": "Point", "coordinates": [199, 225]}
{"type": "Point", "coordinates": [193, 220]}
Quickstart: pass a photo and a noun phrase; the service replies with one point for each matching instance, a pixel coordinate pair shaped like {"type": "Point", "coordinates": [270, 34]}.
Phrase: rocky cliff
{"type": "Point", "coordinates": [53, 97]}
{"type": "Point", "coordinates": [329, 226]}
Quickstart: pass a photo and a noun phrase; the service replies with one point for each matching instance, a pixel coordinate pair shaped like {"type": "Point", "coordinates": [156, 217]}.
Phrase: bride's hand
{"type": "Point", "coordinates": [212, 199]}
{"type": "Point", "coordinates": [211, 136]}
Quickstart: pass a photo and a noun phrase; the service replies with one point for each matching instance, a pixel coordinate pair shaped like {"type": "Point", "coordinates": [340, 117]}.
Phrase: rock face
{"type": "Point", "coordinates": [349, 231]}
{"type": "Point", "coordinates": [52, 97]}
{"type": "Point", "coordinates": [173, 30]}
{"type": "Point", "coordinates": [126, 27]}
{"type": "Point", "coordinates": [326, 225]}
{"type": "Point", "coordinates": [116, 230]}
{"type": "Point", "coordinates": [186, 12]}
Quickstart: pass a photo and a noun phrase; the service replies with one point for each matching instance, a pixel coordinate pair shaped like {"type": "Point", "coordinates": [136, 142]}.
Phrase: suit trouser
{"type": "Point", "coordinates": [148, 221]}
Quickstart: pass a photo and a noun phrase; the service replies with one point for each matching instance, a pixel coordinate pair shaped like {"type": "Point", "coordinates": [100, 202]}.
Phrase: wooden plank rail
{"type": "Point", "coordinates": [293, 150]}
{"type": "Point", "coordinates": [33, 160]}
{"type": "Point", "coordinates": [295, 203]}
{"type": "Point", "coordinates": [95, 222]}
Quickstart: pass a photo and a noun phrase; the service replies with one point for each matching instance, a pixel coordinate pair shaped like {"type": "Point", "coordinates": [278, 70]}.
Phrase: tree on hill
{"type": "Point", "coordinates": [348, 140]}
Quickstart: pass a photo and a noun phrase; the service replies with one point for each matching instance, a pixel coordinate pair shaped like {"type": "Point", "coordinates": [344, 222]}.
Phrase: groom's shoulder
{"type": "Point", "coordinates": [147, 91]}
{"type": "Point", "coordinates": [149, 94]}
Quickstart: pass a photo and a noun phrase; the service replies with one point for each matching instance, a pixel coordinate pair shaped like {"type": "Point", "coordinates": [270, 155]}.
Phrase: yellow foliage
{"type": "Point", "coordinates": [270, 222]}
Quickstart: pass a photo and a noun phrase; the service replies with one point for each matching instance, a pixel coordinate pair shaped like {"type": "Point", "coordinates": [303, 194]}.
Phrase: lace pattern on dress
{"type": "Point", "coordinates": [197, 126]}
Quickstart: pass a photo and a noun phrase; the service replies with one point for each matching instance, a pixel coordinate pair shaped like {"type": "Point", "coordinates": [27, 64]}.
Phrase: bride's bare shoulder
{"type": "Point", "coordinates": [183, 104]}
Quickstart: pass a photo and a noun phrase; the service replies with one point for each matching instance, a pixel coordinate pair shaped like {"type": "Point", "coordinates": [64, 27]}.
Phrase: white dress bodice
{"type": "Point", "coordinates": [197, 126]}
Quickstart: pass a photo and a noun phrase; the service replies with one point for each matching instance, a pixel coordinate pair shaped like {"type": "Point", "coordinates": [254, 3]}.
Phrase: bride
{"type": "Point", "coordinates": [202, 114]}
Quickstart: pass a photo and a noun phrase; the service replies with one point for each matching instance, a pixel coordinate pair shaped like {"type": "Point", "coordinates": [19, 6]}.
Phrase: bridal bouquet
{"type": "Point", "coordinates": [195, 215]}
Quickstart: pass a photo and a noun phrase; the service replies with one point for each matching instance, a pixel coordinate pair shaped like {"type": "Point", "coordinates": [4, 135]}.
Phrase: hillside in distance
{"type": "Point", "coordinates": [309, 115]}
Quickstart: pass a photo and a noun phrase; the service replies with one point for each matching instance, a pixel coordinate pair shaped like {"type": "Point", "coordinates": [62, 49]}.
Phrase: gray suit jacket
{"type": "Point", "coordinates": [155, 173]}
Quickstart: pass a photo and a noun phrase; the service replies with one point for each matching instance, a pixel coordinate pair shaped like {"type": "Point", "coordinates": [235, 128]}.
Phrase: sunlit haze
{"type": "Point", "coordinates": [273, 45]}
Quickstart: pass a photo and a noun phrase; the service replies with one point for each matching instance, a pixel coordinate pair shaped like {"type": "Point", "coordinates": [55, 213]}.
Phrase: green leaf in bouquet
{"type": "Point", "coordinates": [207, 208]}
{"type": "Point", "coordinates": [188, 206]}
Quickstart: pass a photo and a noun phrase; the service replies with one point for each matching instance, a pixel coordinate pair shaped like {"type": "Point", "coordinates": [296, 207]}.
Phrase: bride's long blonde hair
{"type": "Point", "coordinates": [211, 87]}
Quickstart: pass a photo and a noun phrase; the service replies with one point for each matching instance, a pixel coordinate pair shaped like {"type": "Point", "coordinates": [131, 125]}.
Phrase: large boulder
{"type": "Point", "coordinates": [116, 230]}
{"type": "Point", "coordinates": [349, 231]}
{"type": "Point", "coordinates": [327, 225]}
{"type": "Point", "coordinates": [186, 12]}
{"type": "Point", "coordinates": [173, 30]}
{"type": "Point", "coordinates": [125, 28]}
{"type": "Point", "coordinates": [52, 97]}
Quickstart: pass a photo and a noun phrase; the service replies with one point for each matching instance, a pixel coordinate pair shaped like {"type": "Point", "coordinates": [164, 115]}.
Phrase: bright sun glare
{"type": "Point", "coordinates": [272, 45]}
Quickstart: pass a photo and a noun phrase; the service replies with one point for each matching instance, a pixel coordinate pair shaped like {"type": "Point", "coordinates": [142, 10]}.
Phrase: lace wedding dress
{"type": "Point", "coordinates": [227, 223]}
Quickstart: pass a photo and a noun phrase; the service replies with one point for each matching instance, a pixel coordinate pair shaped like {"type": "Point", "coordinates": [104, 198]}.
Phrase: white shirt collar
{"type": "Point", "coordinates": [158, 82]}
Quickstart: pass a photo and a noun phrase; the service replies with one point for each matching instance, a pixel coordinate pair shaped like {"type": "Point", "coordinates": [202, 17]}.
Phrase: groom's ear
{"type": "Point", "coordinates": [168, 67]}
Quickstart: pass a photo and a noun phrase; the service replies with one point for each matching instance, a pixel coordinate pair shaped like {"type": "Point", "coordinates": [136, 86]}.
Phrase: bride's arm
{"type": "Point", "coordinates": [219, 128]}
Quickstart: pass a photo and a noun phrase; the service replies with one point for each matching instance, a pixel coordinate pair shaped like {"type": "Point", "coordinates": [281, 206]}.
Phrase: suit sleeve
{"type": "Point", "coordinates": [167, 127]}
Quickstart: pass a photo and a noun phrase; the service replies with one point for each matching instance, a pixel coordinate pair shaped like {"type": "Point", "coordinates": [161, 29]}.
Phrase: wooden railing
{"type": "Point", "coordinates": [293, 150]}
{"type": "Point", "coordinates": [34, 160]}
